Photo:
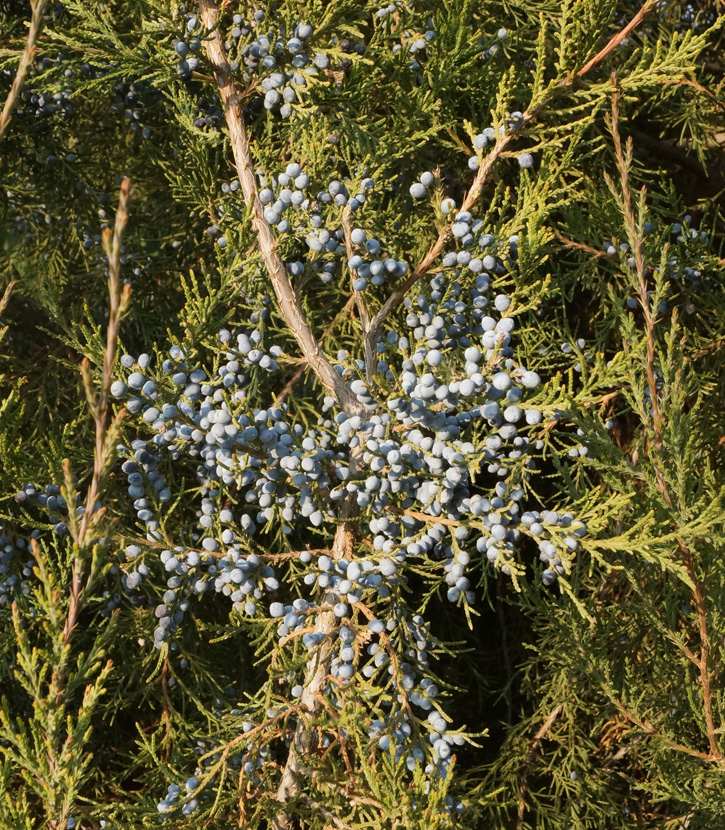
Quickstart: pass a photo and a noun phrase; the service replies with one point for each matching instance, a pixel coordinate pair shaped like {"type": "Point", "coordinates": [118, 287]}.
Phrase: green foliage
{"type": "Point", "coordinates": [596, 703]}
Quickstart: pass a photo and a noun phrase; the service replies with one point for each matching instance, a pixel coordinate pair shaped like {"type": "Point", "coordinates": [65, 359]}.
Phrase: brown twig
{"type": "Point", "coordinates": [424, 517]}
{"type": "Point", "coordinates": [538, 737]}
{"type": "Point", "coordinates": [287, 388]}
{"type": "Point", "coordinates": [650, 730]}
{"type": "Point", "coordinates": [434, 251]}
{"type": "Point", "coordinates": [119, 298]}
{"type": "Point", "coordinates": [580, 246]}
{"type": "Point", "coordinates": [362, 308]}
{"type": "Point", "coordinates": [26, 60]}
{"type": "Point", "coordinates": [711, 347]}
{"type": "Point", "coordinates": [618, 38]}
{"type": "Point", "coordinates": [286, 297]}
{"type": "Point", "coordinates": [394, 659]}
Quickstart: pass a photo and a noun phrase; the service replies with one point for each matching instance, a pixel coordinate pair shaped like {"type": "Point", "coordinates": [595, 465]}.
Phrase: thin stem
{"type": "Point", "coordinates": [541, 732]}
{"type": "Point", "coordinates": [99, 406]}
{"type": "Point", "coordinates": [26, 60]}
{"type": "Point", "coordinates": [445, 234]}
{"type": "Point", "coordinates": [650, 730]}
{"type": "Point", "coordinates": [618, 38]}
{"type": "Point", "coordinates": [360, 303]}
{"type": "Point", "coordinates": [424, 517]}
{"type": "Point", "coordinates": [580, 246]}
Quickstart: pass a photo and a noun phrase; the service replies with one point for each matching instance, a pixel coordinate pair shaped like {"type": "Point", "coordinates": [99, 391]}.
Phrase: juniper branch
{"type": "Point", "coordinates": [287, 299]}
{"type": "Point", "coordinates": [119, 298]}
{"type": "Point", "coordinates": [499, 149]}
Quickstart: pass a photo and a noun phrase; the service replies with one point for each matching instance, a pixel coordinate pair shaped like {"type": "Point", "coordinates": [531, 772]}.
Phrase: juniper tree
{"type": "Point", "coordinates": [390, 492]}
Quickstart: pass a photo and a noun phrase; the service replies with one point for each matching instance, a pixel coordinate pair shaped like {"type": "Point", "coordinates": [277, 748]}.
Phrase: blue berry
{"type": "Point", "coordinates": [526, 160]}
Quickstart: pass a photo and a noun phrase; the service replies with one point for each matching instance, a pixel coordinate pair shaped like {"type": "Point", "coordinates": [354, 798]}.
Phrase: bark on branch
{"type": "Point", "coordinates": [318, 666]}
{"type": "Point", "coordinates": [286, 297]}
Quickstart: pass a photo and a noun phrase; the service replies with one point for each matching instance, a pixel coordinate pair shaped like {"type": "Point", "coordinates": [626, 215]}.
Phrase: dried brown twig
{"type": "Point", "coordinates": [26, 60]}
{"type": "Point", "coordinates": [99, 402]}
{"type": "Point", "coordinates": [523, 776]}
{"type": "Point", "coordinates": [648, 729]}
{"type": "Point", "coordinates": [580, 246]}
